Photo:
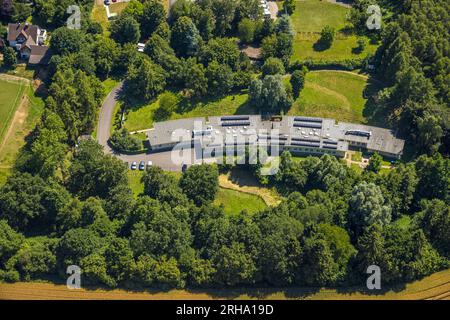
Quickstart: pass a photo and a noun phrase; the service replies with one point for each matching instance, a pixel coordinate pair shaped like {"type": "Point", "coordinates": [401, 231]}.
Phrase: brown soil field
{"type": "Point", "coordinates": [434, 287]}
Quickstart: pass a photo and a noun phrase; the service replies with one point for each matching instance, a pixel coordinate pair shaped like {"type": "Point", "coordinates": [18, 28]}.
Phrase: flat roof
{"type": "Point", "coordinates": [169, 132]}
{"type": "Point", "coordinates": [292, 130]}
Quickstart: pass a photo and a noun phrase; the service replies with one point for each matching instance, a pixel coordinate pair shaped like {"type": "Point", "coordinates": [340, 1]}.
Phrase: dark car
{"type": "Point", "coordinates": [142, 165]}
{"type": "Point", "coordinates": [107, 2]}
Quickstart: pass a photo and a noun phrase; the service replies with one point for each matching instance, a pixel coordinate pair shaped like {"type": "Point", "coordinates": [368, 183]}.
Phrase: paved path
{"type": "Point", "coordinates": [161, 159]}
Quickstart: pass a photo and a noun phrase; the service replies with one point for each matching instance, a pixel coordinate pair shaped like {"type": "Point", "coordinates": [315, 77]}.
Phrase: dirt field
{"type": "Point", "coordinates": [434, 287]}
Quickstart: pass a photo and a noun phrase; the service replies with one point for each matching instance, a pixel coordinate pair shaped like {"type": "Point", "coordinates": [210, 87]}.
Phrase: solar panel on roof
{"type": "Point", "coordinates": [235, 118]}
{"type": "Point", "coordinates": [308, 125]}
{"type": "Point", "coordinates": [361, 133]}
{"type": "Point", "coordinates": [305, 139]}
{"type": "Point", "coordinates": [235, 124]}
{"type": "Point", "coordinates": [308, 119]}
{"type": "Point", "coordinates": [305, 144]}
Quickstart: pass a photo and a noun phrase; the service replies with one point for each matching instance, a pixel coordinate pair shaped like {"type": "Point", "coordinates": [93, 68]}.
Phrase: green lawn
{"type": "Point", "coordinates": [234, 201]}
{"type": "Point", "coordinates": [308, 20]}
{"type": "Point", "coordinates": [342, 48]}
{"type": "Point", "coordinates": [313, 15]}
{"type": "Point", "coordinates": [357, 156]}
{"type": "Point", "coordinates": [31, 113]}
{"type": "Point", "coordinates": [332, 94]}
{"type": "Point", "coordinates": [142, 117]}
{"type": "Point", "coordinates": [109, 84]}
{"type": "Point", "coordinates": [99, 15]}
{"type": "Point", "coordinates": [134, 179]}
{"type": "Point", "coordinates": [10, 97]}
{"type": "Point", "coordinates": [22, 70]}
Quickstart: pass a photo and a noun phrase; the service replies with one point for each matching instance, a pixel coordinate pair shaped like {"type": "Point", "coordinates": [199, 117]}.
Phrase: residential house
{"type": "Point", "coordinates": [28, 40]}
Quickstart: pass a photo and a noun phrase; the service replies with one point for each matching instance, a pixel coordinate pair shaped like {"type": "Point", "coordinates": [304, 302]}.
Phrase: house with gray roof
{"type": "Point", "coordinates": [28, 40]}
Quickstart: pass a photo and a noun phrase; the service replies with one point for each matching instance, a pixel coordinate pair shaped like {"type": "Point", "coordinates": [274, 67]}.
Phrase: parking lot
{"type": "Point", "coordinates": [161, 159]}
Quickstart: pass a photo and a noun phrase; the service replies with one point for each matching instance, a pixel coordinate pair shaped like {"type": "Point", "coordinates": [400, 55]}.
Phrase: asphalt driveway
{"type": "Point", "coordinates": [164, 159]}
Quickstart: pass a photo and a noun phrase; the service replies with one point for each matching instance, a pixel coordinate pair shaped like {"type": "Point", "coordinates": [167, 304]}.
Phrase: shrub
{"type": "Point", "coordinates": [123, 141]}
{"type": "Point", "coordinates": [9, 58]}
{"type": "Point", "coordinates": [327, 36]}
{"type": "Point", "coordinates": [273, 66]}
{"type": "Point", "coordinates": [167, 103]}
{"type": "Point", "coordinates": [246, 30]}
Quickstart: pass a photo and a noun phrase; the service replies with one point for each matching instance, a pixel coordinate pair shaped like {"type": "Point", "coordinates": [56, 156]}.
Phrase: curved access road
{"type": "Point", "coordinates": [161, 159]}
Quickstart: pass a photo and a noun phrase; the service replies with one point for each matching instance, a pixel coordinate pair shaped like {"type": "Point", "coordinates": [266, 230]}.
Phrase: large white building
{"type": "Point", "coordinates": [299, 135]}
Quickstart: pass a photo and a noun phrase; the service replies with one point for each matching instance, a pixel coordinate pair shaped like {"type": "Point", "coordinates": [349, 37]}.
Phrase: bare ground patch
{"type": "Point", "coordinates": [247, 184]}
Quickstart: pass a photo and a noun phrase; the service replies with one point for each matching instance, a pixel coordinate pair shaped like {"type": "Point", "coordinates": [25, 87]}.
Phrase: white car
{"type": "Point", "coordinates": [149, 163]}
{"type": "Point", "coordinates": [134, 165]}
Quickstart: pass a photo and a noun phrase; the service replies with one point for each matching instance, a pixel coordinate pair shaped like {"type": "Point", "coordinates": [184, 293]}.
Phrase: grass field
{"type": "Point", "coordinates": [308, 20]}
{"type": "Point", "coordinates": [99, 15]}
{"type": "Point", "coordinates": [27, 116]}
{"type": "Point", "coordinates": [234, 201]}
{"type": "Point", "coordinates": [134, 179]}
{"type": "Point", "coordinates": [313, 15]}
{"type": "Point", "coordinates": [332, 94]}
{"type": "Point", "coordinates": [434, 287]}
{"type": "Point", "coordinates": [243, 181]}
{"type": "Point", "coordinates": [22, 70]}
{"type": "Point", "coordinates": [10, 97]}
{"type": "Point", "coordinates": [142, 117]}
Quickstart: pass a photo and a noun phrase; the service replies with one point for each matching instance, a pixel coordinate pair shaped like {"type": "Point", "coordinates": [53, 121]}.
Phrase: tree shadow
{"type": "Point", "coordinates": [372, 111]}
{"type": "Point", "coordinates": [348, 30]}
{"type": "Point", "coordinates": [187, 105]}
{"type": "Point", "coordinates": [357, 50]}
{"type": "Point", "coordinates": [320, 46]}
{"type": "Point", "coordinates": [243, 178]}
{"type": "Point", "coordinates": [258, 291]}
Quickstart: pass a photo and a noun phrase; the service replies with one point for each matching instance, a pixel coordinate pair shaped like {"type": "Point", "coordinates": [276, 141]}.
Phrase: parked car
{"type": "Point", "coordinates": [107, 2]}
{"type": "Point", "coordinates": [149, 163]}
{"type": "Point", "coordinates": [134, 165]}
{"type": "Point", "coordinates": [142, 165]}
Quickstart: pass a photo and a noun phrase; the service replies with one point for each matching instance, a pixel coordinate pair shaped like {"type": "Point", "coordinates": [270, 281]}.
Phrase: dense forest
{"type": "Point", "coordinates": [69, 203]}
{"type": "Point", "coordinates": [413, 64]}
